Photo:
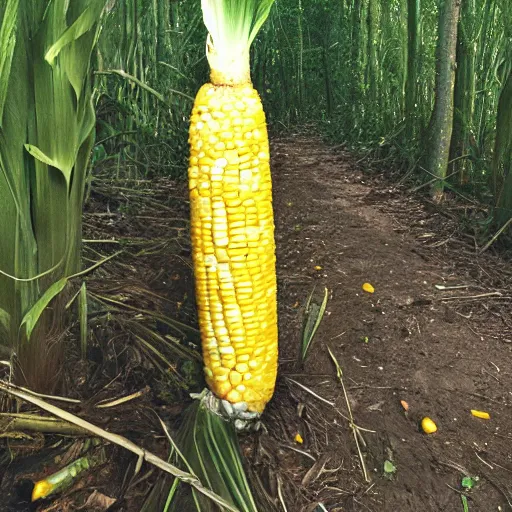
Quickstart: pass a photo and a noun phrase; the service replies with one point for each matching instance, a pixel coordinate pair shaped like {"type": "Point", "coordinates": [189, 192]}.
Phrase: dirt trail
{"type": "Point", "coordinates": [444, 357]}
{"type": "Point", "coordinates": [443, 351]}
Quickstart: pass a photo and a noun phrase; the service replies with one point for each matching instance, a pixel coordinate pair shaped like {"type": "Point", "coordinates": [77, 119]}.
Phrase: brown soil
{"type": "Point", "coordinates": [444, 352]}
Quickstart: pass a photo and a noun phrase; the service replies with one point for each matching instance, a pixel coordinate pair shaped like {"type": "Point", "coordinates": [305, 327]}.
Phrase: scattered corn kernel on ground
{"type": "Point", "coordinates": [232, 230]}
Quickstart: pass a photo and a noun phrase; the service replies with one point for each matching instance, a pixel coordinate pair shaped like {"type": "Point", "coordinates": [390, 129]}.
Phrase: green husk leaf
{"type": "Point", "coordinates": [31, 318]}
{"type": "Point", "coordinates": [68, 475]}
{"type": "Point", "coordinates": [209, 445]}
{"type": "Point", "coordinates": [235, 21]}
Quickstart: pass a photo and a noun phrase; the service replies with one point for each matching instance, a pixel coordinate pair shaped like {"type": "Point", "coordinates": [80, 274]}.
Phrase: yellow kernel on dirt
{"type": "Point", "coordinates": [481, 414]}
{"type": "Point", "coordinates": [428, 426]}
{"type": "Point", "coordinates": [298, 439]}
{"type": "Point", "coordinates": [367, 287]}
{"type": "Point", "coordinates": [41, 490]}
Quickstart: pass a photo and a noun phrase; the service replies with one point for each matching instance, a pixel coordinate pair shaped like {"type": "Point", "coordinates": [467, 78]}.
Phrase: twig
{"type": "Point", "coordinates": [355, 430]}
{"type": "Point", "coordinates": [123, 399]}
{"type": "Point", "coordinates": [497, 487]}
{"type": "Point", "coordinates": [495, 237]}
{"type": "Point", "coordinates": [50, 397]}
{"type": "Point", "coordinates": [149, 457]}
{"type": "Point", "coordinates": [482, 460]}
{"type": "Point", "coordinates": [480, 296]}
{"type": "Point", "coordinates": [280, 493]}
{"type": "Point", "coordinates": [302, 452]}
{"type": "Point", "coordinates": [332, 404]}
{"type": "Point", "coordinates": [453, 488]}
{"type": "Point", "coordinates": [456, 466]}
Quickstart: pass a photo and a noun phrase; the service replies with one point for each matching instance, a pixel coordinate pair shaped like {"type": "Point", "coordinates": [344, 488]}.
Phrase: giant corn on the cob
{"type": "Point", "coordinates": [232, 225]}
{"type": "Point", "coordinates": [233, 243]}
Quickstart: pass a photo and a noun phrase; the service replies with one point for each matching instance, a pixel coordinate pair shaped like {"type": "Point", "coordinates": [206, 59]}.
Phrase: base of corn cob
{"type": "Point", "coordinates": [232, 231]}
{"type": "Point", "coordinates": [239, 414]}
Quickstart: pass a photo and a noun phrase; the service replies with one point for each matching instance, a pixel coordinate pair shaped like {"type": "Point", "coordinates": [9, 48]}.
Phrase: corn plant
{"type": "Point", "coordinates": [46, 134]}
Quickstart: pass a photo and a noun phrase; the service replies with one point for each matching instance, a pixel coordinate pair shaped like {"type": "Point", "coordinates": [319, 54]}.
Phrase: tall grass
{"type": "Point", "coordinates": [151, 61]}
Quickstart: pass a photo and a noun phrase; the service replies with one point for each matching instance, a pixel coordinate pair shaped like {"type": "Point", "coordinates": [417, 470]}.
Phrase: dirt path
{"type": "Point", "coordinates": [443, 351]}
{"type": "Point", "coordinates": [444, 357]}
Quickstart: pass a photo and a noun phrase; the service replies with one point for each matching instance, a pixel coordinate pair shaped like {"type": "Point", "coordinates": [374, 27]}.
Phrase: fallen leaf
{"type": "Point", "coordinates": [377, 406]}
{"type": "Point", "coordinates": [98, 501]}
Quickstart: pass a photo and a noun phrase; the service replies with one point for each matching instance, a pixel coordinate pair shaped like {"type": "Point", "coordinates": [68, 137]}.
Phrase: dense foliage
{"type": "Point", "coordinates": [46, 136]}
{"type": "Point", "coordinates": [363, 70]}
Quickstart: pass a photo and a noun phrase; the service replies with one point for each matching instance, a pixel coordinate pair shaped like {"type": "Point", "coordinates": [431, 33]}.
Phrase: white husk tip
{"type": "Point", "coordinates": [242, 419]}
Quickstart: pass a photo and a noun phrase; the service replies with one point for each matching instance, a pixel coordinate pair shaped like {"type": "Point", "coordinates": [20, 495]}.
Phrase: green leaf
{"type": "Point", "coordinates": [7, 44]}
{"type": "Point", "coordinates": [85, 22]}
{"type": "Point", "coordinates": [314, 315]}
{"type": "Point", "coordinates": [32, 317]}
{"type": "Point", "coordinates": [37, 153]}
{"type": "Point", "coordinates": [465, 505]}
{"type": "Point", "coordinates": [469, 482]}
{"type": "Point", "coordinates": [389, 467]}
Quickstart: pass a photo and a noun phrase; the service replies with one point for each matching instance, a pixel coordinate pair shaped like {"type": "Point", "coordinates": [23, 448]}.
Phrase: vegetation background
{"type": "Point", "coordinates": [362, 72]}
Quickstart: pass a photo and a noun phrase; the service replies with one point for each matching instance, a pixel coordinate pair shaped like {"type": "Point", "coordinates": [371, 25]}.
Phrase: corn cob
{"type": "Point", "coordinates": [232, 231]}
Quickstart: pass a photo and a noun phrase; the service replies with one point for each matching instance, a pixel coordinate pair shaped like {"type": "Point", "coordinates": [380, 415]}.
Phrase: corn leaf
{"type": "Point", "coordinates": [314, 314]}
{"type": "Point", "coordinates": [31, 318]}
{"type": "Point", "coordinates": [7, 42]}
{"type": "Point", "coordinates": [37, 153]}
{"type": "Point", "coordinates": [46, 136]}
{"type": "Point", "coordinates": [85, 22]}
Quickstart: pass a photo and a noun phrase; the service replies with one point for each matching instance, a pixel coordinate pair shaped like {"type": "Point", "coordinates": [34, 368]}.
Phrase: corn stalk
{"type": "Point", "coordinates": [46, 135]}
